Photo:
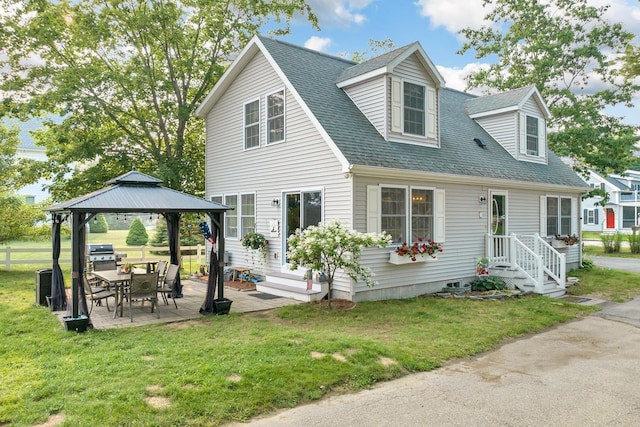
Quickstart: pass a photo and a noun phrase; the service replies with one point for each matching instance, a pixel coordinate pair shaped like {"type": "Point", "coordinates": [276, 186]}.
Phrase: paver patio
{"type": "Point", "coordinates": [188, 307]}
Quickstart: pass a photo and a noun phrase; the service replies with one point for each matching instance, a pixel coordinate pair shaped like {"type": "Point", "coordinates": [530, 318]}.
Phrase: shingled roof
{"type": "Point", "coordinates": [313, 76]}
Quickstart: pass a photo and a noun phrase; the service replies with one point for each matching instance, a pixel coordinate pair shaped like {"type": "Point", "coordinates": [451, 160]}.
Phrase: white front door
{"type": "Point", "coordinates": [300, 210]}
{"type": "Point", "coordinates": [498, 213]}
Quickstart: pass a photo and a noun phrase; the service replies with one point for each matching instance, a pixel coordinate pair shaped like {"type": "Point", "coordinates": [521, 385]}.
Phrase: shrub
{"type": "Point", "coordinates": [488, 283]}
{"type": "Point", "coordinates": [587, 264]}
{"type": "Point", "coordinates": [611, 242]}
{"type": "Point", "coordinates": [634, 242]}
{"type": "Point", "coordinates": [99, 224]}
{"type": "Point", "coordinates": [137, 235]}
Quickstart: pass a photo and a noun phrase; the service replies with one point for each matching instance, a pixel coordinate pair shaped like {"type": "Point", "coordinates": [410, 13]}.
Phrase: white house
{"type": "Point", "coordinates": [295, 137]}
{"type": "Point", "coordinates": [36, 192]}
{"type": "Point", "coordinates": [621, 210]}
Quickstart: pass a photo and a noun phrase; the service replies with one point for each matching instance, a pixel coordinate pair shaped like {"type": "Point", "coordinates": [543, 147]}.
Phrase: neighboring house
{"type": "Point", "coordinates": [36, 192]}
{"type": "Point", "coordinates": [621, 212]}
{"type": "Point", "coordinates": [295, 137]}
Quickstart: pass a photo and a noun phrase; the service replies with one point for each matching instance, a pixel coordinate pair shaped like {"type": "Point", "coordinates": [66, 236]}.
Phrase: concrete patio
{"type": "Point", "coordinates": [188, 307]}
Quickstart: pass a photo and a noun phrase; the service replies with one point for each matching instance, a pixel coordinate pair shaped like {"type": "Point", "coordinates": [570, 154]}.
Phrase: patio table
{"type": "Point", "coordinates": [119, 281]}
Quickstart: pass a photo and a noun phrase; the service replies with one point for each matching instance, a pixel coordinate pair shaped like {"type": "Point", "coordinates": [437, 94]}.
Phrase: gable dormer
{"type": "Point", "coordinates": [398, 93]}
{"type": "Point", "coordinates": [516, 119]}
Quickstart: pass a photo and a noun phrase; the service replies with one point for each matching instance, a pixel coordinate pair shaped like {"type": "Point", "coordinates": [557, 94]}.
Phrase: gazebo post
{"type": "Point", "coordinates": [75, 322]}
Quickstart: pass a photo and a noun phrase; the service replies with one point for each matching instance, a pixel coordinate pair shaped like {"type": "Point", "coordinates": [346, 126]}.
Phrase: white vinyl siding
{"type": "Point", "coordinates": [275, 168]}
{"type": "Point", "coordinates": [504, 129]}
{"type": "Point", "coordinates": [369, 97]}
{"type": "Point", "coordinates": [466, 226]}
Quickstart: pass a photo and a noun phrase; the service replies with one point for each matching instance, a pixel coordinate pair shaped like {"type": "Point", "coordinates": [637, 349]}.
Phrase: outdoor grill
{"type": "Point", "coordinates": [100, 254]}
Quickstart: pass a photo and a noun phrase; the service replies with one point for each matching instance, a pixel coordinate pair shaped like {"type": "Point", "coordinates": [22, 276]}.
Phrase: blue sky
{"type": "Point", "coordinates": [347, 26]}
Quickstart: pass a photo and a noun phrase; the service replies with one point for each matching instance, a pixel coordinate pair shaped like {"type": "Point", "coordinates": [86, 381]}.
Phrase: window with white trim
{"type": "Point", "coordinates": [242, 219]}
{"type": "Point", "coordinates": [533, 147]}
{"type": "Point", "coordinates": [559, 215]}
{"type": "Point", "coordinates": [414, 109]}
{"type": "Point", "coordinates": [590, 216]}
{"type": "Point", "coordinates": [216, 199]}
{"type": "Point", "coordinates": [231, 216]}
{"type": "Point", "coordinates": [275, 117]}
{"type": "Point", "coordinates": [408, 214]}
{"type": "Point", "coordinates": [252, 124]}
{"type": "Point", "coordinates": [247, 213]}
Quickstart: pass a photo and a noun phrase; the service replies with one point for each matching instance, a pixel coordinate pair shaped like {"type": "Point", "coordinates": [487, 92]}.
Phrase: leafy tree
{"type": "Point", "coordinates": [17, 219]}
{"type": "Point", "coordinates": [376, 48]}
{"type": "Point", "coordinates": [137, 235]}
{"type": "Point", "coordinates": [631, 67]}
{"type": "Point", "coordinates": [98, 224]}
{"type": "Point", "coordinates": [9, 172]}
{"type": "Point", "coordinates": [126, 77]}
{"type": "Point", "coordinates": [562, 47]}
{"type": "Point", "coordinates": [332, 247]}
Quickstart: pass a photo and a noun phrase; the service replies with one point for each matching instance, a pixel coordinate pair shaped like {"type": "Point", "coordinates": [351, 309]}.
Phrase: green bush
{"type": "Point", "coordinates": [487, 283]}
{"type": "Point", "coordinates": [611, 242]}
{"type": "Point", "coordinates": [634, 242]}
{"type": "Point", "coordinates": [137, 234]}
{"type": "Point", "coordinates": [98, 224]}
{"type": "Point", "coordinates": [587, 264]}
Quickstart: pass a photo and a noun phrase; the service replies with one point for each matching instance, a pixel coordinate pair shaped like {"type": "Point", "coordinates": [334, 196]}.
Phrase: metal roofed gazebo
{"type": "Point", "coordinates": [132, 192]}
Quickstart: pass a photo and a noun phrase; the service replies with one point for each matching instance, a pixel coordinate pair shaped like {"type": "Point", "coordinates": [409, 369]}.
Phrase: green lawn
{"type": "Point", "coordinates": [216, 370]}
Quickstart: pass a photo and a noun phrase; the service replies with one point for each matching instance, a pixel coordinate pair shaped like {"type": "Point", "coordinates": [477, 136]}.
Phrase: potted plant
{"type": "Point", "coordinates": [255, 241]}
{"type": "Point", "coordinates": [420, 251]}
{"type": "Point", "coordinates": [127, 268]}
{"type": "Point", "coordinates": [563, 241]}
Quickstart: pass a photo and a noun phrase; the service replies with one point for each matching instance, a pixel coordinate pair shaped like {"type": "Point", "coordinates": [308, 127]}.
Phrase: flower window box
{"type": "Point", "coordinates": [395, 258]}
{"type": "Point", "coordinates": [420, 251]}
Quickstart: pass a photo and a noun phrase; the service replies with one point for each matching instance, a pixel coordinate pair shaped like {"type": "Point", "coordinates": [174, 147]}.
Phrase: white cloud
{"type": "Point", "coordinates": [321, 44]}
{"type": "Point", "coordinates": [339, 13]}
{"type": "Point", "coordinates": [456, 77]}
{"type": "Point", "coordinates": [453, 15]}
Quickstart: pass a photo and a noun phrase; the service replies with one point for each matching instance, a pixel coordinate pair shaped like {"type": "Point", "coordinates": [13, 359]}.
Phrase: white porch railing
{"type": "Point", "coordinates": [529, 254]}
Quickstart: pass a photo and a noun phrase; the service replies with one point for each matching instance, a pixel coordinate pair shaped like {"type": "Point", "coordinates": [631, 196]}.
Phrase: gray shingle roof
{"type": "Point", "coordinates": [372, 64]}
{"type": "Point", "coordinates": [498, 101]}
{"type": "Point", "coordinates": [313, 76]}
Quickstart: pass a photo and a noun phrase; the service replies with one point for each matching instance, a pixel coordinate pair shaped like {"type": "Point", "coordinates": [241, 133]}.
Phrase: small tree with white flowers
{"type": "Point", "coordinates": [332, 247]}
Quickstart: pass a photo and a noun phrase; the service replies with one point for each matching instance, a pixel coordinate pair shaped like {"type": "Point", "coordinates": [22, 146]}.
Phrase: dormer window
{"type": "Point", "coordinates": [414, 109]}
{"type": "Point", "coordinates": [533, 148]}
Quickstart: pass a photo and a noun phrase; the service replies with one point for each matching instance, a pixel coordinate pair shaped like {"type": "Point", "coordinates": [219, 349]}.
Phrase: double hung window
{"type": "Point", "coordinates": [242, 219]}
{"type": "Point", "coordinates": [275, 117]}
{"type": "Point", "coordinates": [532, 136]}
{"type": "Point", "coordinates": [414, 109]}
{"type": "Point", "coordinates": [407, 214]}
{"type": "Point", "coordinates": [252, 124]}
{"type": "Point", "coordinates": [559, 215]}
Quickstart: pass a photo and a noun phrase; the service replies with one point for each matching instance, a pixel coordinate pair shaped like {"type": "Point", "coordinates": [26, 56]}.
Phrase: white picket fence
{"type": "Point", "coordinates": [12, 256]}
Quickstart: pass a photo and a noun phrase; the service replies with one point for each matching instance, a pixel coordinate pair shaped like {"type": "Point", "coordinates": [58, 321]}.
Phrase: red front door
{"type": "Point", "coordinates": [611, 218]}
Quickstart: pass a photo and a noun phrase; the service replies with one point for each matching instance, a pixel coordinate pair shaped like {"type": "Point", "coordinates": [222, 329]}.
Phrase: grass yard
{"type": "Point", "coordinates": [216, 370]}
